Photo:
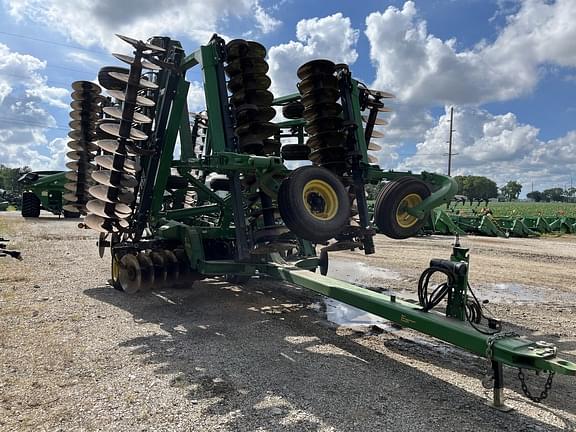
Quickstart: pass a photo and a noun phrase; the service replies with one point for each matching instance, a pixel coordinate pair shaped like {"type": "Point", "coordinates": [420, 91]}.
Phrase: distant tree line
{"type": "Point", "coordinates": [483, 188]}
{"type": "Point", "coordinates": [553, 194]}
{"type": "Point", "coordinates": [9, 178]}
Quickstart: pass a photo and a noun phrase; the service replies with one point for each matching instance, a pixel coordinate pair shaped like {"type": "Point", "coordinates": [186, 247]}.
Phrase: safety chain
{"type": "Point", "coordinates": [543, 394]}
{"type": "Point", "coordinates": [492, 339]}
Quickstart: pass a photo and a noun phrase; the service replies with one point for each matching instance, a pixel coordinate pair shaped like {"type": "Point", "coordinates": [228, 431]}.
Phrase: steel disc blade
{"type": "Point", "coordinates": [130, 275]}
{"type": "Point", "coordinates": [88, 106]}
{"type": "Point", "coordinates": [256, 97]}
{"type": "Point", "coordinates": [104, 177]}
{"type": "Point", "coordinates": [74, 208]}
{"type": "Point", "coordinates": [84, 115]}
{"type": "Point", "coordinates": [374, 147]}
{"type": "Point", "coordinates": [160, 270]}
{"type": "Point", "coordinates": [114, 129]}
{"type": "Point", "coordinates": [379, 121]}
{"type": "Point", "coordinates": [104, 225]}
{"type": "Point", "coordinates": [106, 210]}
{"type": "Point", "coordinates": [72, 176]}
{"type": "Point", "coordinates": [249, 82]}
{"type": "Point", "coordinates": [315, 67]}
{"type": "Point", "coordinates": [107, 161]}
{"type": "Point", "coordinates": [86, 146]}
{"type": "Point", "coordinates": [130, 60]}
{"type": "Point", "coordinates": [140, 100]}
{"type": "Point", "coordinates": [372, 159]}
{"type": "Point", "coordinates": [381, 94]}
{"type": "Point", "coordinates": [73, 197]}
{"type": "Point", "coordinates": [139, 44]}
{"type": "Point", "coordinates": [147, 270]}
{"type": "Point", "coordinates": [101, 244]}
{"type": "Point", "coordinates": [81, 135]}
{"type": "Point", "coordinates": [82, 124]}
{"type": "Point", "coordinates": [112, 145]}
{"type": "Point", "coordinates": [86, 86]}
{"type": "Point", "coordinates": [142, 83]}
{"type": "Point", "coordinates": [82, 96]}
{"type": "Point", "coordinates": [117, 114]}
{"type": "Point", "coordinates": [243, 48]}
{"type": "Point", "coordinates": [377, 134]}
{"type": "Point", "coordinates": [77, 166]}
{"type": "Point", "coordinates": [102, 193]}
{"type": "Point", "coordinates": [246, 65]}
{"type": "Point", "coordinates": [172, 265]}
{"type": "Point", "coordinates": [385, 109]}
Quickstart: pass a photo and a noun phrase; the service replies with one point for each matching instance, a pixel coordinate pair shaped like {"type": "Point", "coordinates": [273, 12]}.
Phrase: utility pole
{"type": "Point", "coordinates": [450, 141]}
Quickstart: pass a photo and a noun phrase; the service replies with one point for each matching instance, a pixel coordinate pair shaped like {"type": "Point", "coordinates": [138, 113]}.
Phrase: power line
{"type": "Point", "coordinates": [54, 43]}
{"type": "Point", "coordinates": [32, 123]}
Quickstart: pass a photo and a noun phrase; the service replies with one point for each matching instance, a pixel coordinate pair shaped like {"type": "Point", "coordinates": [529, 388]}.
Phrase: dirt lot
{"type": "Point", "coordinates": [77, 355]}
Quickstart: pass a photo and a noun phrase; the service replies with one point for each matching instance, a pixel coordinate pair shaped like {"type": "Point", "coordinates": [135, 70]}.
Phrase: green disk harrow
{"type": "Point", "coordinates": [230, 206]}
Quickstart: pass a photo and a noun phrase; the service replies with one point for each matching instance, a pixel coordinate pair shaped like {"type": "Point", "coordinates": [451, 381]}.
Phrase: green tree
{"type": "Point", "coordinates": [511, 190]}
{"type": "Point", "coordinates": [536, 196]}
{"type": "Point", "coordinates": [553, 194]}
{"type": "Point", "coordinates": [476, 187]}
{"type": "Point", "coordinates": [9, 178]}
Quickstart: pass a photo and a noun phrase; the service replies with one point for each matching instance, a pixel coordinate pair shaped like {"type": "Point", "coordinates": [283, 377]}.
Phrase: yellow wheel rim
{"type": "Point", "coordinates": [403, 218]}
{"type": "Point", "coordinates": [115, 268]}
{"type": "Point", "coordinates": [320, 200]}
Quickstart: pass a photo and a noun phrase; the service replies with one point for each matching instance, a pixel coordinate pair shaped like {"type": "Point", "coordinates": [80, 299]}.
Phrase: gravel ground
{"type": "Point", "coordinates": [77, 355]}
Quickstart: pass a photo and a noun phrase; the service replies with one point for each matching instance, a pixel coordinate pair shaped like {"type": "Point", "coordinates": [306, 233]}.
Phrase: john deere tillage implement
{"type": "Point", "coordinates": [228, 206]}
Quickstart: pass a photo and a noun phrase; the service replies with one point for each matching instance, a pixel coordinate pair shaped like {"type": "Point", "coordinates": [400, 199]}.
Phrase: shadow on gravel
{"type": "Point", "coordinates": [259, 358]}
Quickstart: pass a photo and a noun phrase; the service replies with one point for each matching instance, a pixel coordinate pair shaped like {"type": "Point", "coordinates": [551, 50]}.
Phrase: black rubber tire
{"type": "Point", "coordinates": [388, 202]}
{"type": "Point", "coordinates": [70, 215]}
{"type": "Point", "coordinates": [30, 205]}
{"type": "Point", "coordinates": [220, 184]}
{"type": "Point", "coordinates": [323, 262]}
{"type": "Point", "coordinates": [295, 152]}
{"type": "Point", "coordinates": [108, 82]}
{"type": "Point", "coordinates": [176, 182]}
{"type": "Point", "coordinates": [295, 212]}
{"type": "Point", "coordinates": [293, 110]}
{"type": "Point", "coordinates": [114, 272]}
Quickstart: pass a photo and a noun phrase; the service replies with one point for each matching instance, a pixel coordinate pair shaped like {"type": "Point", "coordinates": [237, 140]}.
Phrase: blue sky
{"type": "Point", "coordinates": [507, 66]}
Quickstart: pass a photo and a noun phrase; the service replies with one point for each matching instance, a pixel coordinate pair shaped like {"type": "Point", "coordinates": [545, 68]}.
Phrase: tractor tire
{"type": "Point", "coordinates": [30, 205]}
{"type": "Point", "coordinates": [110, 83]}
{"type": "Point", "coordinates": [294, 110]}
{"type": "Point", "coordinates": [314, 204]}
{"type": "Point", "coordinates": [295, 152]}
{"type": "Point", "coordinates": [70, 215]}
{"type": "Point", "coordinates": [390, 215]}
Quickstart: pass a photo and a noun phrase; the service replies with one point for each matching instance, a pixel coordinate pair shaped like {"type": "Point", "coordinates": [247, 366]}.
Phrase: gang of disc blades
{"type": "Point", "coordinates": [172, 265]}
{"type": "Point", "coordinates": [104, 177]}
{"type": "Point", "coordinates": [160, 270]}
{"type": "Point", "coordinates": [256, 97]}
{"type": "Point", "coordinates": [130, 60]}
{"type": "Point", "coordinates": [114, 130]}
{"type": "Point", "coordinates": [130, 274]}
{"type": "Point", "coordinates": [249, 82]}
{"type": "Point", "coordinates": [250, 65]}
{"type": "Point", "coordinates": [140, 44]}
{"type": "Point", "coordinates": [148, 271]}
{"type": "Point", "coordinates": [142, 82]}
{"type": "Point", "coordinates": [140, 100]}
{"type": "Point", "coordinates": [101, 192]}
{"type": "Point", "coordinates": [117, 114]}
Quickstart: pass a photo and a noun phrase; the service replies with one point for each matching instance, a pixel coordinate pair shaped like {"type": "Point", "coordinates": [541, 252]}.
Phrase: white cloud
{"type": "Point", "coordinates": [497, 146]}
{"type": "Point", "coordinates": [90, 22]}
{"type": "Point", "coordinates": [23, 119]}
{"type": "Point", "coordinates": [423, 69]}
{"type": "Point", "coordinates": [331, 37]}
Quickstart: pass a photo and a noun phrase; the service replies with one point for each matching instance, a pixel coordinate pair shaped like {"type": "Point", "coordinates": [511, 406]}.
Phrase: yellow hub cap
{"type": "Point", "coordinates": [403, 218]}
{"type": "Point", "coordinates": [320, 200]}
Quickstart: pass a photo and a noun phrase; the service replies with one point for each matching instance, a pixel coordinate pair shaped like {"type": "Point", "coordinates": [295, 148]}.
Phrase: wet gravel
{"type": "Point", "coordinates": [77, 355]}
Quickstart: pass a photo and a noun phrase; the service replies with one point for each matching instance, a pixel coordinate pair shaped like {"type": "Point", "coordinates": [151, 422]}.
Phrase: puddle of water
{"type": "Point", "coordinates": [359, 273]}
{"type": "Point", "coordinates": [506, 292]}
{"type": "Point", "coordinates": [349, 316]}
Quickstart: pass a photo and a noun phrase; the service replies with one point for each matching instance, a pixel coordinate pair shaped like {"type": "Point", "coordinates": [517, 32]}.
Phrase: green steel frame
{"type": "Point", "coordinates": [191, 227]}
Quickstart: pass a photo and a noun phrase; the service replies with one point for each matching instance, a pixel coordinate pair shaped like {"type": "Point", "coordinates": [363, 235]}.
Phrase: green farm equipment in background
{"type": "Point", "coordinates": [228, 206]}
{"type": "Point", "coordinates": [44, 190]}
